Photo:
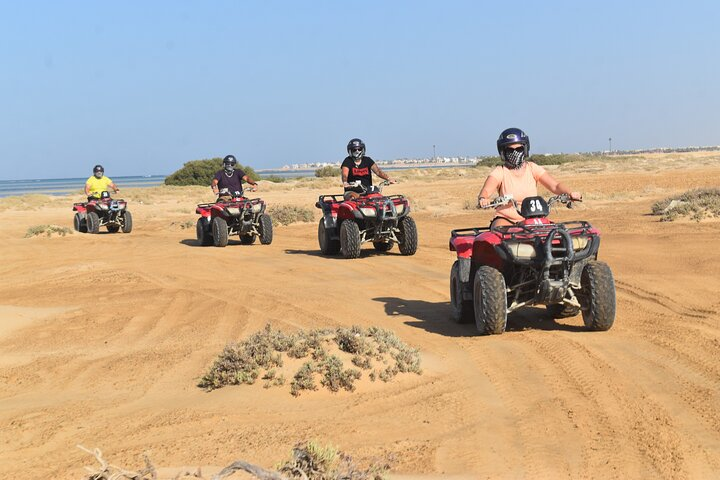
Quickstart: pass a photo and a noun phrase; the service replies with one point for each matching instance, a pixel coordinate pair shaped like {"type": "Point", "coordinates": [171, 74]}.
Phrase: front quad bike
{"type": "Point", "coordinates": [533, 262]}
{"type": "Point", "coordinates": [235, 215]}
{"type": "Point", "coordinates": [371, 217]}
{"type": "Point", "coordinates": [102, 212]}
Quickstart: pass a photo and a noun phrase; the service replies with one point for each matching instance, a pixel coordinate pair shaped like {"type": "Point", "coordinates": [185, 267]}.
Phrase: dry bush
{"type": "Point", "coordinates": [47, 230]}
{"type": "Point", "coordinates": [695, 204]}
{"type": "Point", "coordinates": [310, 461]}
{"type": "Point", "coordinates": [265, 353]}
{"type": "Point", "coordinates": [30, 201]}
{"type": "Point", "coordinates": [287, 214]}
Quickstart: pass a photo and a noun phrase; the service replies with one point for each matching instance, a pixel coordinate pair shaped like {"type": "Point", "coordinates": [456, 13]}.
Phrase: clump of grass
{"type": "Point", "coordinates": [47, 230]}
{"type": "Point", "coordinates": [262, 356]}
{"type": "Point", "coordinates": [183, 225]}
{"type": "Point", "coordinates": [313, 461]}
{"type": "Point", "coordinates": [328, 171]}
{"type": "Point", "coordinates": [696, 204]}
{"type": "Point", "coordinates": [287, 214]}
{"type": "Point", "coordinates": [274, 178]}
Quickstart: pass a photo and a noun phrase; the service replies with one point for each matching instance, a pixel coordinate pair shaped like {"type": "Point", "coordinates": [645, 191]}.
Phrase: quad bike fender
{"type": "Point", "coordinates": [346, 212]}
{"type": "Point", "coordinates": [463, 245]}
{"type": "Point", "coordinates": [485, 250]}
{"type": "Point", "coordinates": [330, 221]}
{"type": "Point", "coordinates": [80, 207]}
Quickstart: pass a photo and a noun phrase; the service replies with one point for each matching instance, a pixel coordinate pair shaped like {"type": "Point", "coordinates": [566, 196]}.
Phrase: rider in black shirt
{"type": "Point", "coordinates": [230, 179]}
{"type": "Point", "coordinates": [357, 166]}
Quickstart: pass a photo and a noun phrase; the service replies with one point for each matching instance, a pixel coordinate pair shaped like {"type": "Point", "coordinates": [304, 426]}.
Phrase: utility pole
{"type": "Point", "coordinates": [434, 157]}
{"type": "Point", "coordinates": [610, 142]}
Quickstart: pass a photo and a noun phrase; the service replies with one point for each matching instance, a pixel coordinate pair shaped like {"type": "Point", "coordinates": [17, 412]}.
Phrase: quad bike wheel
{"type": "Point", "coordinates": [266, 229]}
{"type": "Point", "coordinates": [350, 239]}
{"type": "Point", "coordinates": [113, 228]}
{"type": "Point", "coordinates": [383, 246]}
{"type": "Point", "coordinates": [328, 246]}
{"type": "Point", "coordinates": [93, 222]}
{"type": "Point", "coordinates": [597, 296]}
{"type": "Point", "coordinates": [248, 239]}
{"type": "Point", "coordinates": [79, 223]}
{"type": "Point", "coordinates": [489, 301]}
{"type": "Point", "coordinates": [461, 311]}
{"type": "Point", "coordinates": [561, 310]}
{"type": "Point", "coordinates": [219, 232]}
{"type": "Point", "coordinates": [127, 222]}
{"type": "Point", "coordinates": [202, 230]}
{"type": "Point", "coordinates": [408, 236]}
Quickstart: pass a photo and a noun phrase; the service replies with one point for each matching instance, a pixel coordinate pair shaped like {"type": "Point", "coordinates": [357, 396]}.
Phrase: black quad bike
{"type": "Point", "coordinates": [533, 262]}
{"type": "Point", "coordinates": [371, 217]}
{"type": "Point", "coordinates": [233, 214]}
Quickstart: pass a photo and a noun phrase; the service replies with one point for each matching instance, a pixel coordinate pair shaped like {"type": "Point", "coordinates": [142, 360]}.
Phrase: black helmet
{"type": "Point", "coordinates": [513, 136]}
{"type": "Point", "coordinates": [356, 148]}
{"type": "Point", "coordinates": [229, 160]}
{"type": "Point", "coordinates": [98, 169]}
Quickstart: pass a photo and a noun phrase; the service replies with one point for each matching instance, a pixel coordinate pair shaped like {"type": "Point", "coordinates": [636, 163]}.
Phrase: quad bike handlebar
{"type": "Point", "coordinates": [499, 201]}
{"type": "Point", "coordinates": [563, 198]}
{"type": "Point", "coordinates": [358, 184]}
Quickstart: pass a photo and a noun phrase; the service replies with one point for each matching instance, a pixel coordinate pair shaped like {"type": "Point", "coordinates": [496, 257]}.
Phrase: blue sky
{"type": "Point", "coordinates": [143, 87]}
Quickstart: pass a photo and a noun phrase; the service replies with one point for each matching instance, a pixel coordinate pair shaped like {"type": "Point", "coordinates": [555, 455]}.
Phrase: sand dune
{"type": "Point", "coordinates": [104, 337]}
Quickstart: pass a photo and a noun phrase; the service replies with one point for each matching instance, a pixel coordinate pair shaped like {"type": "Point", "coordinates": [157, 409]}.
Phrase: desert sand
{"type": "Point", "coordinates": [103, 339]}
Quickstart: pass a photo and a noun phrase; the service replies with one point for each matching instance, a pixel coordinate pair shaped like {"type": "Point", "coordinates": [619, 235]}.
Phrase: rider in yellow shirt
{"type": "Point", "coordinates": [98, 183]}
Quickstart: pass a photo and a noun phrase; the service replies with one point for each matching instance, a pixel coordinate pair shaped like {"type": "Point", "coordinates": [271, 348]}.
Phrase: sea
{"type": "Point", "coordinates": [65, 186]}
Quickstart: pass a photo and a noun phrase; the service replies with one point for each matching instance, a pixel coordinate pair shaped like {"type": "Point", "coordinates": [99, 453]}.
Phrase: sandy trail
{"type": "Point", "coordinates": [104, 337]}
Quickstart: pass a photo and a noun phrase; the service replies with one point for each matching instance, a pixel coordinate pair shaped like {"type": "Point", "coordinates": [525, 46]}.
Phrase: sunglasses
{"type": "Point", "coordinates": [356, 149]}
{"type": "Point", "coordinates": [515, 149]}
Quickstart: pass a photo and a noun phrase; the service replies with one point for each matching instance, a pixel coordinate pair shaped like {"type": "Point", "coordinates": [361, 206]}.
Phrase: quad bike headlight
{"type": "Point", "coordinates": [368, 212]}
{"type": "Point", "coordinates": [522, 251]}
{"type": "Point", "coordinates": [102, 206]}
{"type": "Point", "coordinates": [234, 211]}
{"type": "Point", "coordinates": [400, 208]}
{"type": "Point", "coordinates": [579, 242]}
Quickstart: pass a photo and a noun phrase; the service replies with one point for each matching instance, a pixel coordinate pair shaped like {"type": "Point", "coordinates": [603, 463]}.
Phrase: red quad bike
{"type": "Point", "coordinates": [102, 212]}
{"type": "Point", "coordinates": [372, 217]}
{"type": "Point", "coordinates": [237, 216]}
{"type": "Point", "coordinates": [533, 262]}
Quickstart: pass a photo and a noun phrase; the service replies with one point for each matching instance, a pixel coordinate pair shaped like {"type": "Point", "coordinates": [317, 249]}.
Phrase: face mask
{"type": "Point", "coordinates": [229, 168]}
{"type": "Point", "coordinates": [98, 174]}
{"type": "Point", "coordinates": [357, 154]}
{"type": "Point", "coordinates": [514, 158]}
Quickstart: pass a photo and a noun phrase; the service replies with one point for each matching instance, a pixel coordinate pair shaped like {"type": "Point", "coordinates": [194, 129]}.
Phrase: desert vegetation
{"type": "Point", "coordinates": [328, 171]}
{"type": "Point", "coordinates": [695, 204]}
{"type": "Point", "coordinates": [201, 172]}
{"type": "Point", "coordinates": [270, 355]}
{"type": "Point", "coordinates": [308, 461]}
{"type": "Point", "coordinates": [47, 230]}
{"type": "Point", "coordinates": [287, 214]}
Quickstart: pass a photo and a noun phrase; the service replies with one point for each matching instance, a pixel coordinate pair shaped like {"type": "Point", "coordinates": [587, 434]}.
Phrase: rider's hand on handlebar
{"type": "Point", "coordinates": [576, 196]}
{"type": "Point", "coordinates": [483, 202]}
{"type": "Point", "coordinates": [391, 180]}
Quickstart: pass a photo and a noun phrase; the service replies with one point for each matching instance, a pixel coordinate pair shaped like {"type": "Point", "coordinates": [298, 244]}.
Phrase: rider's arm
{"type": "Point", "coordinates": [114, 187]}
{"type": "Point", "coordinates": [214, 186]}
{"type": "Point", "coordinates": [87, 189]}
{"type": "Point", "coordinates": [489, 187]}
{"type": "Point", "coordinates": [251, 182]}
{"type": "Point", "coordinates": [558, 188]}
{"type": "Point", "coordinates": [378, 171]}
{"type": "Point", "coordinates": [345, 171]}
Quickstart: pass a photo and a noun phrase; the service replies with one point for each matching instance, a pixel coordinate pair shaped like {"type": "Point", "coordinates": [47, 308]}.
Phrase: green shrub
{"type": "Point", "coordinates": [201, 172]}
{"type": "Point", "coordinates": [328, 171]}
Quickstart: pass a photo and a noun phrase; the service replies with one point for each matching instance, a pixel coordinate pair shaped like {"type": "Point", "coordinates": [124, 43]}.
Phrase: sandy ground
{"type": "Point", "coordinates": [104, 337]}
